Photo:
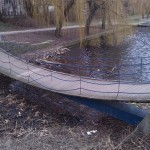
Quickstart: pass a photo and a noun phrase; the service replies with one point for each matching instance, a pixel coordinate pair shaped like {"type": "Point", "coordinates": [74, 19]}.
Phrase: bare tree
{"type": "Point", "coordinates": [61, 14]}
{"type": "Point", "coordinates": [28, 6]}
{"type": "Point", "coordinates": [93, 7]}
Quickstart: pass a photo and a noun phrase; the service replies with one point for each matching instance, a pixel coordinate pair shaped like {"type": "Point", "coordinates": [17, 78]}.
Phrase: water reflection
{"type": "Point", "coordinates": [129, 61]}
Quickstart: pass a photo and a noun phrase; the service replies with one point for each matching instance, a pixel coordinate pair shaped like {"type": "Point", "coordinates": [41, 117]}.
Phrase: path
{"type": "Point", "coordinates": [35, 30]}
{"type": "Point", "coordinates": [66, 27]}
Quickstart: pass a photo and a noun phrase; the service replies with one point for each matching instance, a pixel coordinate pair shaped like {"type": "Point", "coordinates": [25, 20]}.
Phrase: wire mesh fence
{"type": "Point", "coordinates": [70, 84]}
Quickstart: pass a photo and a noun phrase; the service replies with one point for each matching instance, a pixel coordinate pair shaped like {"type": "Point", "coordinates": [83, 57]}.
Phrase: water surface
{"type": "Point", "coordinates": [129, 61]}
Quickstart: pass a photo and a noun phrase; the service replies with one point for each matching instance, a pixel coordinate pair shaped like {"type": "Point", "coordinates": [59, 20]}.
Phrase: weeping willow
{"type": "Point", "coordinates": [80, 5]}
{"type": "Point", "coordinates": [104, 14]}
{"type": "Point", "coordinates": [115, 17]}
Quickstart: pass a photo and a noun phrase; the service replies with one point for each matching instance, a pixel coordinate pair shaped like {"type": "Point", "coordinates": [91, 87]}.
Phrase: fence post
{"type": "Point", "coordinates": [80, 86]}
{"type": "Point", "coordinates": [51, 75]}
{"type": "Point", "coordinates": [119, 82]}
{"type": "Point", "coordinates": [80, 80]}
{"type": "Point", "coordinates": [9, 63]}
{"type": "Point", "coordinates": [141, 70]}
{"type": "Point", "coordinates": [28, 72]}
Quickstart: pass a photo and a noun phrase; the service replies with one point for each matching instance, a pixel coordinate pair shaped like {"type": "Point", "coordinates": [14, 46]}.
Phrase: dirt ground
{"type": "Point", "coordinates": [35, 119]}
{"type": "Point", "coordinates": [27, 124]}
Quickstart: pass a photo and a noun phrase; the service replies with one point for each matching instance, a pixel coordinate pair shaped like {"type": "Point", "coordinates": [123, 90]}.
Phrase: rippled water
{"type": "Point", "coordinates": [129, 61]}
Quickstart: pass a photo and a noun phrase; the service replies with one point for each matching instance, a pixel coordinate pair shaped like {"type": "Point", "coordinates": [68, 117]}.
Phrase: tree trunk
{"type": "Point", "coordinates": [143, 13]}
{"type": "Point", "coordinates": [58, 28]}
{"type": "Point", "coordinates": [60, 19]}
{"type": "Point", "coordinates": [89, 21]}
{"type": "Point", "coordinates": [104, 20]}
{"type": "Point", "coordinates": [148, 14]}
{"type": "Point", "coordinates": [68, 7]}
{"type": "Point", "coordinates": [93, 8]}
{"type": "Point", "coordinates": [104, 15]}
{"type": "Point", "coordinates": [14, 7]}
{"type": "Point", "coordinates": [28, 6]}
{"type": "Point", "coordinates": [1, 16]}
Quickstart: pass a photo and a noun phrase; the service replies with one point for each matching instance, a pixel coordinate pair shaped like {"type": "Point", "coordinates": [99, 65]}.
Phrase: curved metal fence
{"type": "Point", "coordinates": [70, 84]}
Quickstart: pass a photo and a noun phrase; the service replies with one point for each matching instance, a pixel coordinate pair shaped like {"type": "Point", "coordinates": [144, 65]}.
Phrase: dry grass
{"type": "Point", "coordinates": [58, 124]}
{"type": "Point", "coordinates": [55, 123]}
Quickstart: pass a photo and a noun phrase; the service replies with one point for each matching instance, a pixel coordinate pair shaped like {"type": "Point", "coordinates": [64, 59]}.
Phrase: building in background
{"type": "Point", "coordinates": [11, 8]}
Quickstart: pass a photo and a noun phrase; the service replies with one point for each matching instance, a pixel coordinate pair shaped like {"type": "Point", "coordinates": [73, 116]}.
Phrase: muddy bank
{"type": "Point", "coordinates": [31, 118]}
{"type": "Point", "coordinates": [16, 95]}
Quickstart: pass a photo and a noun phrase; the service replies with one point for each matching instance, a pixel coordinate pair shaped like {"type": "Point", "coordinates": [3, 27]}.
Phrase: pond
{"type": "Point", "coordinates": [129, 61]}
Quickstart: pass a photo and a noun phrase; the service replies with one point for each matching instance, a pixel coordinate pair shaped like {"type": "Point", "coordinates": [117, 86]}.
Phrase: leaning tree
{"type": "Point", "coordinates": [86, 10]}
